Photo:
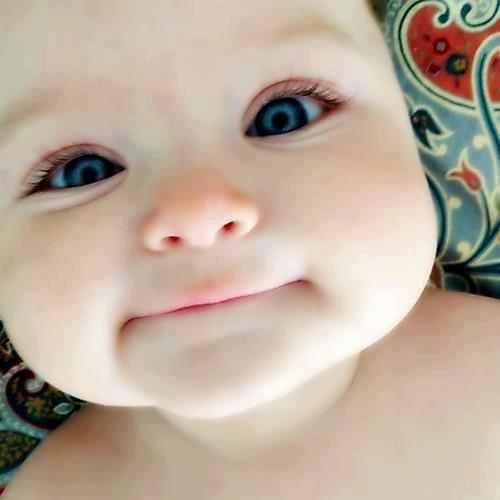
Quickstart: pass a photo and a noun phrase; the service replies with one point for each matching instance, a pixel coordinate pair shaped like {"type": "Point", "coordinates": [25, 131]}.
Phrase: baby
{"type": "Point", "coordinates": [207, 235]}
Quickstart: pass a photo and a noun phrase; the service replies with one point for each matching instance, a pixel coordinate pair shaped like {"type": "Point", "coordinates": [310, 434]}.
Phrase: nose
{"type": "Point", "coordinates": [198, 210]}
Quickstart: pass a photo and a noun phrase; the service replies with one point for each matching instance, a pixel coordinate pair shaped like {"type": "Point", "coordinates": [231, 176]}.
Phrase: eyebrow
{"type": "Point", "coordinates": [27, 108]}
{"type": "Point", "coordinates": [47, 96]}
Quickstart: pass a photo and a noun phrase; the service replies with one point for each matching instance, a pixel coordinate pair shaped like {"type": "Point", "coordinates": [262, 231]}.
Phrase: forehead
{"type": "Point", "coordinates": [37, 34]}
{"type": "Point", "coordinates": [50, 41]}
{"type": "Point", "coordinates": [216, 21]}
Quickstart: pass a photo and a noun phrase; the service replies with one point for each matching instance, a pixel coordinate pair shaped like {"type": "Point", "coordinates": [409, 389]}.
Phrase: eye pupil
{"type": "Point", "coordinates": [87, 169]}
{"type": "Point", "coordinates": [89, 175]}
{"type": "Point", "coordinates": [280, 120]}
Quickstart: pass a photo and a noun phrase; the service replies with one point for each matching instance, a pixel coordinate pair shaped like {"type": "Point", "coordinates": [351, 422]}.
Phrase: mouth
{"type": "Point", "coordinates": [209, 304]}
{"type": "Point", "coordinates": [209, 301]}
{"type": "Point", "coordinates": [201, 303]}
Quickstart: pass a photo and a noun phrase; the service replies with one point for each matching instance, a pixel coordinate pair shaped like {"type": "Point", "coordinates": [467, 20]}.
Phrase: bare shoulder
{"type": "Point", "coordinates": [437, 380]}
{"type": "Point", "coordinates": [446, 331]}
{"type": "Point", "coordinates": [451, 341]}
{"type": "Point", "coordinates": [76, 461]}
{"type": "Point", "coordinates": [463, 328]}
{"type": "Point", "coordinates": [431, 389]}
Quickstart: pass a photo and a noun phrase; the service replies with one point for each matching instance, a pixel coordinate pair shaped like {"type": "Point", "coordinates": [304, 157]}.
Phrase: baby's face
{"type": "Point", "coordinates": [205, 150]}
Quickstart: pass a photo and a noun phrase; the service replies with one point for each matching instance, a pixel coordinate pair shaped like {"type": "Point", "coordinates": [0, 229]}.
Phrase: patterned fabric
{"type": "Point", "coordinates": [29, 410]}
{"type": "Point", "coordinates": [447, 58]}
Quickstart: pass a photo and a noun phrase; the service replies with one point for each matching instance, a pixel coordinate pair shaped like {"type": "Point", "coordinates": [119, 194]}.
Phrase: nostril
{"type": "Point", "coordinates": [230, 227]}
{"type": "Point", "coordinates": [174, 240]}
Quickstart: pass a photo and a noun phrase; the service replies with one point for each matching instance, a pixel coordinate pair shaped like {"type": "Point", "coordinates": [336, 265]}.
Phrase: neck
{"type": "Point", "coordinates": [267, 429]}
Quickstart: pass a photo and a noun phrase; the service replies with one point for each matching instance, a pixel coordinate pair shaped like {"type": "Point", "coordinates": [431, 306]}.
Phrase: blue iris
{"type": "Point", "coordinates": [87, 169]}
{"type": "Point", "coordinates": [280, 117]}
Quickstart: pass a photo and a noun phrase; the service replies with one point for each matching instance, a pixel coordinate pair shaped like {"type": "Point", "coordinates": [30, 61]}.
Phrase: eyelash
{"type": "Point", "coordinates": [329, 97]}
{"type": "Point", "coordinates": [53, 163]}
{"type": "Point", "coordinates": [323, 92]}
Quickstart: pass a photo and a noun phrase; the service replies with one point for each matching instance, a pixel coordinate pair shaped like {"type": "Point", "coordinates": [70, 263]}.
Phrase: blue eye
{"type": "Point", "coordinates": [83, 171]}
{"type": "Point", "coordinates": [283, 116]}
{"type": "Point", "coordinates": [294, 107]}
{"type": "Point", "coordinates": [73, 170]}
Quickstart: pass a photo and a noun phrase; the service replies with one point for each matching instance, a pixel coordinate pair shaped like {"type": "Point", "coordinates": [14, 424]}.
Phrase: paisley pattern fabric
{"type": "Point", "coordinates": [30, 409]}
{"type": "Point", "coordinates": [447, 59]}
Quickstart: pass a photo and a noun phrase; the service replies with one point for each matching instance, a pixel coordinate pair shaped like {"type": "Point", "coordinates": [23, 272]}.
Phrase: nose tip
{"type": "Point", "coordinates": [200, 218]}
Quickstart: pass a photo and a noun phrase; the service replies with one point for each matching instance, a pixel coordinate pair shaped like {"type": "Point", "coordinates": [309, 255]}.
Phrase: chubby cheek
{"type": "Point", "coordinates": [55, 277]}
{"type": "Point", "coordinates": [367, 222]}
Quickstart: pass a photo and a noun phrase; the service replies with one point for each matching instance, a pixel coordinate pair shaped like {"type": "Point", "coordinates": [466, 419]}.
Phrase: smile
{"type": "Point", "coordinates": [201, 304]}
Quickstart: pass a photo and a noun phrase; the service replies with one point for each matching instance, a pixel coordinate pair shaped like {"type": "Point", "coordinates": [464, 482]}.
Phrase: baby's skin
{"type": "Point", "coordinates": [162, 154]}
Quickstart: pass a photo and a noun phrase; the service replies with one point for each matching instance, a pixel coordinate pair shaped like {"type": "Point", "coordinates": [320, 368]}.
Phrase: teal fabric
{"type": "Point", "coordinates": [447, 58]}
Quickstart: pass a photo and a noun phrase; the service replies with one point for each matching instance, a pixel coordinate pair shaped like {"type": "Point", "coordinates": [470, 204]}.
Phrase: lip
{"type": "Point", "coordinates": [211, 303]}
{"type": "Point", "coordinates": [208, 301]}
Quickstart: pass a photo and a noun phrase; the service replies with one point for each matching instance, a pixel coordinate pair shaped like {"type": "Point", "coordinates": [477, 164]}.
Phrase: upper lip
{"type": "Point", "coordinates": [210, 300]}
{"type": "Point", "coordinates": [212, 297]}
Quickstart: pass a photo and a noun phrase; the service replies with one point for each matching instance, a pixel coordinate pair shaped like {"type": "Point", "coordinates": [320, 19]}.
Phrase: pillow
{"type": "Point", "coordinates": [446, 55]}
